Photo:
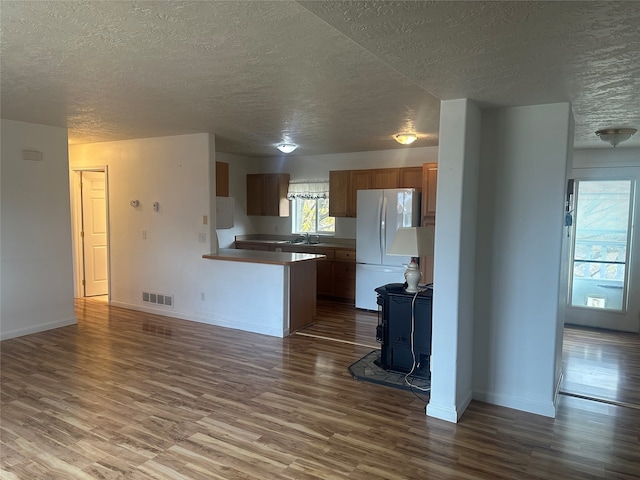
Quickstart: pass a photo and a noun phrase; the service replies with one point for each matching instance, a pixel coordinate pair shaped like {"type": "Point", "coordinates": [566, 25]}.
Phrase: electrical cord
{"type": "Point", "coordinates": [413, 352]}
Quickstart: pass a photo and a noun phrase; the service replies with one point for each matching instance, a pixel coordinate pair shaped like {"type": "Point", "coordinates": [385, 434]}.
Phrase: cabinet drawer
{"type": "Point", "coordinates": [346, 255]}
{"type": "Point", "coordinates": [329, 252]}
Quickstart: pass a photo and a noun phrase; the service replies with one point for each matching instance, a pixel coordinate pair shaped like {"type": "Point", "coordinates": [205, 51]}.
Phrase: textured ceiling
{"type": "Point", "coordinates": [329, 76]}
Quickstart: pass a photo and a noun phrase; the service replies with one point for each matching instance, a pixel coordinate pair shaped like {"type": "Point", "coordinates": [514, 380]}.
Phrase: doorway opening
{"type": "Point", "coordinates": [602, 309]}
{"type": "Point", "coordinates": [604, 261]}
{"type": "Point", "coordinates": [91, 232]}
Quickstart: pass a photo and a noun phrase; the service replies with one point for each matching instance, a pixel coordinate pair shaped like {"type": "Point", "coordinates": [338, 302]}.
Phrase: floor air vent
{"type": "Point", "coordinates": [158, 299]}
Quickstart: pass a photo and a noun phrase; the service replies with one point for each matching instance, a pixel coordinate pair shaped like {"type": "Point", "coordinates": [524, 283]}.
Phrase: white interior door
{"type": "Point", "coordinates": [604, 269]}
{"type": "Point", "coordinates": [94, 233]}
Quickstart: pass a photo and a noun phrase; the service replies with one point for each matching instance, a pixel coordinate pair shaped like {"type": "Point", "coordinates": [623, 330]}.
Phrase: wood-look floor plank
{"type": "Point", "coordinates": [139, 396]}
{"type": "Point", "coordinates": [602, 364]}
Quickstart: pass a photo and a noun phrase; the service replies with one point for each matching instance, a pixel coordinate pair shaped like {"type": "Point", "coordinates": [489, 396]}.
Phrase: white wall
{"type": "Point", "coordinates": [455, 246]}
{"type": "Point", "coordinates": [520, 228]}
{"type": "Point", "coordinates": [36, 277]}
{"type": "Point", "coordinates": [173, 171]}
{"type": "Point", "coordinates": [179, 173]}
{"type": "Point", "coordinates": [606, 157]}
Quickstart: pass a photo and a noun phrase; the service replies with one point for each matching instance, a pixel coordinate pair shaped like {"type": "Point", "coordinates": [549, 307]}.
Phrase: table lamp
{"type": "Point", "coordinates": [413, 242]}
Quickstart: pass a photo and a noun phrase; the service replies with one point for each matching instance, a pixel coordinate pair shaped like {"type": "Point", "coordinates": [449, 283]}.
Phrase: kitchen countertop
{"type": "Point", "coordinates": [330, 242]}
{"type": "Point", "coordinates": [259, 256]}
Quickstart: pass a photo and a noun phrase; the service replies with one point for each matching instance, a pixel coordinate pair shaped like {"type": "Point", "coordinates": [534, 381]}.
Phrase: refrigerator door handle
{"type": "Point", "coordinates": [379, 216]}
{"type": "Point", "coordinates": [383, 228]}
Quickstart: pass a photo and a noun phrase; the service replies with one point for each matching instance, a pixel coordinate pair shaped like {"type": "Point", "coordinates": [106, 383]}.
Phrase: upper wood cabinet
{"type": "Point", "coordinates": [358, 180]}
{"type": "Point", "coordinates": [429, 184]}
{"type": "Point", "coordinates": [411, 177]}
{"type": "Point", "coordinates": [338, 192]}
{"type": "Point", "coordinates": [222, 179]}
{"type": "Point", "coordinates": [343, 188]}
{"type": "Point", "coordinates": [267, 194]}
{"type": "Point", "coordinates": [385, 178]}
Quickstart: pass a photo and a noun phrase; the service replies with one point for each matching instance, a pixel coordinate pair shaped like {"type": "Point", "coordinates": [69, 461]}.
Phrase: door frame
{"type": "Point", "coordinates": [76, 217]}
{"type": "Point", "coordinates": [626, 321]}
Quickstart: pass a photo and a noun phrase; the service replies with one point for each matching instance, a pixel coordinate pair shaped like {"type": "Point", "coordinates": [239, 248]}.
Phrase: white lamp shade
{"type": "Point", "coordinates": [413, 242]}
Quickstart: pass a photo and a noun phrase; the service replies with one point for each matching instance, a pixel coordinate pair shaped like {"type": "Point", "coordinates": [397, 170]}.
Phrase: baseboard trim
{"type": "Point", "coordinates": [449, 414]}
{"type": "Point", "coordinates": [218, 322]}
{"type": "Point", "coordinates": [20, 332]}
{"type": "Point", "coordinates": [517, 403]}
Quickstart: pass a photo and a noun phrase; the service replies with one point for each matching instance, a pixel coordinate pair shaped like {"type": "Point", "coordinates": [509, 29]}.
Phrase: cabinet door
{"type": "Point", "coordinates": [429, 184]}
{"type": "Point", "coordinates": [270, 195]}
{"type": "Point", "coordinates": [254, 194]}
{"type": "Point", "coordinates": [385, 178]}
{"type": "Point", "coordinates": [344, 274]}
{"type": "Point", "coordinates": [324, 272]}
{"type": "Point", "coordinates": [358, 180]}
{"type": "Point", "coordinates": [267, 194]}
{"type": "Point", "coordinates": [411, 177]}
{"type": "Point", "coordinates": [338, 192]}
{"type": "Point", "coordinates": [284, 204]}
{"type": "Point", "coordinates": [222, 179]}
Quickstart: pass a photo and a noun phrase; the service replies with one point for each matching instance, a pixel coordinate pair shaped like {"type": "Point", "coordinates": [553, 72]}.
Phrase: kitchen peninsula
{"type": "Point", "coordinates": [272, 293]}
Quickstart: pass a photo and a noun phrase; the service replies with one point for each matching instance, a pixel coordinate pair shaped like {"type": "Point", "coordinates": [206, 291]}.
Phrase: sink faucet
{"type": "Point", "coordinates": [306, 237]}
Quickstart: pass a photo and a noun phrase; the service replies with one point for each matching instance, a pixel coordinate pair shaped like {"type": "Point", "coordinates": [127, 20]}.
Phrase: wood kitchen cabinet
{"type": "Point", "coordinates": [358, 180]}
{"type": "Point", "coordinates": [429, 184]}
{"type": "Point", "coordinates": [267, 194]}
{"type": "Point", "coordinates": [344, 274]}
{"type": "Point", "coordinates": [343, 188]}
{"type": "Point", "coordinates": [342, 196]}
{"type": "Point", "coordinates": [428, 215]}
{"type": "Point", "coordinates": [324, 271]}
{"type": "Point", "coordinates": [222, 179]}
{"type": "Point", "coordinates": [335, 274]}
{"type": "Point", "coordinates": [338, 192]}
{"type": "Point", "coordinates": [411, 177]}
{"type": "Point", "coordinates": [385, 178]}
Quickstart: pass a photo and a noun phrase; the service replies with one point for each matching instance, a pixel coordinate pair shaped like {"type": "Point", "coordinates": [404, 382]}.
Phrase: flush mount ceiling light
{"type": "Point", "coordinates": [615, 135]}
{"type": "Point", "coordinates": [287, 147]}
{"type": "Point", "coordinates": [405, 138]}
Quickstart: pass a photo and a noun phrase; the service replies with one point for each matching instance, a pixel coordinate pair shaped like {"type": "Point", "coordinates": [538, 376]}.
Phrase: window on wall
{"type": "Point", "coordinates": [310, 207]}
{"type": "Point", "coordinates": [602, 234]}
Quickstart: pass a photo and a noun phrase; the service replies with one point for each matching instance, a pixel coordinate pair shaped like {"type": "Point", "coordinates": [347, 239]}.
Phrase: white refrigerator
{"type": "Point", "coordinates": [379, 214]}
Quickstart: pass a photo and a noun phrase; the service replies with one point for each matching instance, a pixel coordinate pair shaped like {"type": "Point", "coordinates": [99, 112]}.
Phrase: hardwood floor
{"type": "Point", "coordinates": [131, 395]}
{"type": "Point", "coordinates": [602, 364]}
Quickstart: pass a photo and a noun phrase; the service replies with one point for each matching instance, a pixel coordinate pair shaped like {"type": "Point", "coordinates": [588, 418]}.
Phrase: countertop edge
{"type": "Point", "coordinates": [271, 258]}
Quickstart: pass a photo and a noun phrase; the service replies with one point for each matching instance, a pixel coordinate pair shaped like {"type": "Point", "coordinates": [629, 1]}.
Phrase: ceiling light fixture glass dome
{"type": "Point", "coordinates": [287, 147]}
{"type": "Point", "coordinates": [405, 138]}
{"type": "Point", "coordinates": [615, 135]}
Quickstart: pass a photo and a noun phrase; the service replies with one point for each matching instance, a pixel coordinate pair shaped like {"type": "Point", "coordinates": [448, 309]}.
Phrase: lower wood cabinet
{"type": "Point", "coordinates": [344, 274]}
{"type": "Point", "coordinates": [335, 275]}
